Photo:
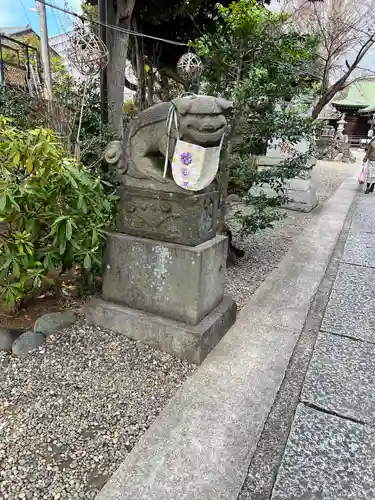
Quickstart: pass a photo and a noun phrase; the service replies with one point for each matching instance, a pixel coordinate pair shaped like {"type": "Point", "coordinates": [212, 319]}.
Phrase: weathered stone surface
{"type": "Point", "coordinates": [360, 249]}
{"type": "Point", "coordinates": [175, 281]}
{"type": "Point", "coordinates": [350, 314]}
{"type": "Point", "coordinates": [351, 308]}
{"type": "Point", "coordinates": [341, 378]}
{"type": "Point", "coordinates": [50, 323]}
{"type": "Point", "coordinates": [190, 342]}
{"type": "Point", "coordinates": [140, 160]}
{"type": "Point", "coordinates": [187, 219]}
{"type": "Point", "coordinates": [27, 342]}
{"type": "Point", "coordinates": [300, 190]}
{"type": "Point", "coordinates": [327, 458]}
{"type": "Point", "coordinates": [355, 279]}
{"type": "Point", "coordinates": [8, 336]}
{"type": "Point", "coordinates": [302, 195]}
{"type": "Point", "coordinates": [234, 199]}
{"type": "Point", "coordinates": [266, 461]}
{"type": "Point", "coordinates": [364, 216]}
{"type": "Point", "coordinates": [6, 340]}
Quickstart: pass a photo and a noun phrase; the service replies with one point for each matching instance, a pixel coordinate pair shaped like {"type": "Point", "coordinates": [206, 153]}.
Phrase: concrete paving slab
{"type": "Point", "coordinates": [341, 378]}
{"type": "Point", "coordinates": [202, 443]}
{"type": "Point", "coordinates": [287, 296]}
{"type": "Point", "coordinates": [351, 314]}
{"type": "Point", "coordinates": [198, 448]}
{"type": "Point", "coordinates": [364, 216]}
{"type": "Point", "coordinates": [360, 249]}
{"type": "Point", "coordinates": [355, 279]}
{"type": "Point", "coordinates": [266, 460]}
{"type": "Point", "coordinates": [327, 458]}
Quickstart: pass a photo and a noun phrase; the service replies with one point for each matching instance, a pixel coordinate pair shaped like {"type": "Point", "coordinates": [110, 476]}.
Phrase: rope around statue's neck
{"type": "Point", "coordinates": [172, 118]}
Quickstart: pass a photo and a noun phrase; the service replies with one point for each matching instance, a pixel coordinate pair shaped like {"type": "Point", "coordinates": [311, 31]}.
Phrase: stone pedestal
{"type": "Point", "coordinates": [300, 190]}
{"type": "Point", "coordinates": [183, 340]}
{"type": "Point", "coordinates": [166, 294]}
{"type": "Point", "coordinates": [175, 281]}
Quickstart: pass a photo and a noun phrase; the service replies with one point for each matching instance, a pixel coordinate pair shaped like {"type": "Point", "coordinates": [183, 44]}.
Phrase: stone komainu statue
{"type": "Point", "coordinates": [140, 157]}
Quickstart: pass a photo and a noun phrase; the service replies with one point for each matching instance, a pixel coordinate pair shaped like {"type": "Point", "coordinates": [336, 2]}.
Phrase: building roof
{"type": "Point", "coordinates": [15, 30]}
{"type": "Point", "coordinates": [369, 110]}
{"type": "Point", "coordinates": [359, 94]}
{"type": "Point", "coordinates": [60, 37]}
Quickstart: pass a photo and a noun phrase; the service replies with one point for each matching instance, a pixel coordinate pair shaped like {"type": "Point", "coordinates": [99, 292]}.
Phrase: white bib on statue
{"type": "Point", "coordinates": [193, 167]}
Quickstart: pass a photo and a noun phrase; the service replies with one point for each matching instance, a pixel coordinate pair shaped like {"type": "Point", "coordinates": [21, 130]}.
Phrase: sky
{"type": "Point", "coordinates": [18, 13]}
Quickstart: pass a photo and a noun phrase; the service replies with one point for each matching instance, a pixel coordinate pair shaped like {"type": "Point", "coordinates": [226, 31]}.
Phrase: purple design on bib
{"type": "Point", "coordinates": [186, 158]}
{"type": "Point", "coordinates": [186, 184]}
{"type": "Point", "coordinates": [184, 172]}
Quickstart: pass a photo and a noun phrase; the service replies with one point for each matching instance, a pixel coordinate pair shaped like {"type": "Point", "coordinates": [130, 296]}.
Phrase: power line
{"type": "Point", "coordinates": [57, 18]}
{"type": "Point", "coordinates": [115, 28]}
{"type": "Point", "coordinates": [25, 11]}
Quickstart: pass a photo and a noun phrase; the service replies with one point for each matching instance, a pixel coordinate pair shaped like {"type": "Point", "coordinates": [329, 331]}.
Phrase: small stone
{"type": "Point", "coordinates": [27, 342]}
{"type": "Point", "coordinates": [50, 323]}
{"type": "Point", "coordinates": [8, 336]}
{"type": "Point", "coordinates": [6, 340]}
{"type": "Point", "coordinates": [233, 198]}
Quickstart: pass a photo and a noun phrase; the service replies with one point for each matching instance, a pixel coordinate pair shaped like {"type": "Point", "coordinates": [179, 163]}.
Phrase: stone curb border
{"type": "Point", "coordinates": [201, 445]}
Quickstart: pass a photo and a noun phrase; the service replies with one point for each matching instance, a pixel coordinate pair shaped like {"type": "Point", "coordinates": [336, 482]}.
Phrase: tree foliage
{"type": "Point", "coordinates": [254, 60]}
{"type": "Point", "coordinates": [154, 61]}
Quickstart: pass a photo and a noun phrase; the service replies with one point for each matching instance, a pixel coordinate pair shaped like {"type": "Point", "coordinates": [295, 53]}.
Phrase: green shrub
{"type": "Point", "coordinates": [54, 213]}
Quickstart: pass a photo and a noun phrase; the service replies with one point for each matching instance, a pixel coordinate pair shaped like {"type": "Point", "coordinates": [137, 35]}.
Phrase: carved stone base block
{"type": "Point", "coordinates": [175, 281]}
{"type": "Point", "coordinates": [300, 190]}
{"type": "Point", "coordinates": [187, 219]}
{"type": "Point", "coordinates": [182, 340]}
{"type": "Point", "coordinates": [302, 195]}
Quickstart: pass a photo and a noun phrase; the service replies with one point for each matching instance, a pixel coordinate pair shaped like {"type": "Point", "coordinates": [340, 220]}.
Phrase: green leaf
{"type": "Point", "coordinates": [87, 262]}
{"type": "Point", "coordinates": [62, 246]}
{"type": "Point", "coordinates": [94, 238]}
{"type": "Point", "coordinates": [16, 270]}
{"type": "Point", "coordinates": [3, 202]}
{"type": "Point", "coordinates": [68, 230]}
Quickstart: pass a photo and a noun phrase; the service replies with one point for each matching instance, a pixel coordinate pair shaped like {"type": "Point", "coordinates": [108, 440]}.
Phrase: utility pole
{"type": "Point", "coordinates": [103, 73]}
{"type": "Point", "coordinates": [45, 49]}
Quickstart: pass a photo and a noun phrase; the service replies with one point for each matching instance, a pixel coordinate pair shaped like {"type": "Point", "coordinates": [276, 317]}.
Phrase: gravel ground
{"type": "Point", "coordinates": [71, 412]}
{"type": "Point", "coordinates": [265, 249]}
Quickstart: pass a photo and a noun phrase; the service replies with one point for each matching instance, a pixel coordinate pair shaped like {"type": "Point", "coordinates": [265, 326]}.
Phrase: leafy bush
{"type": "Point", "coordinates": [255, 59]}
{"type": "Point", "coordinates": [54, 213]}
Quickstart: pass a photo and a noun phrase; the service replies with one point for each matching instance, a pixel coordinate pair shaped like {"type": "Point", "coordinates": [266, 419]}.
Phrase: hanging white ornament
{"type": "Point", "coordinates": [89, 55]}
{"type": "Point", "coordinates": [189, 67]}
{"type": "Point", "coordinates": [87, 52]}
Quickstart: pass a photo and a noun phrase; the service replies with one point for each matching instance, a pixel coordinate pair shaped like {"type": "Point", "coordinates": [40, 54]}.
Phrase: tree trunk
{"type": "Point", "coordinates": [150, 87]}
{"type": "Point", "coordinates": [330, 94]}
{"type": "Point", "coordinates": [141, 77]}
{"type": "Point", "coordinates": [228, 152]}
{"type": "Point", "coordinates": [164, 84]}
{"type": "Point", "coordinates": [118, 13]}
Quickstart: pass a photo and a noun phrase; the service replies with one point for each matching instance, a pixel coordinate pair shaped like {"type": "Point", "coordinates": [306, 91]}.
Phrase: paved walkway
{"type": "Point", "coordinates": [330, 452]}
